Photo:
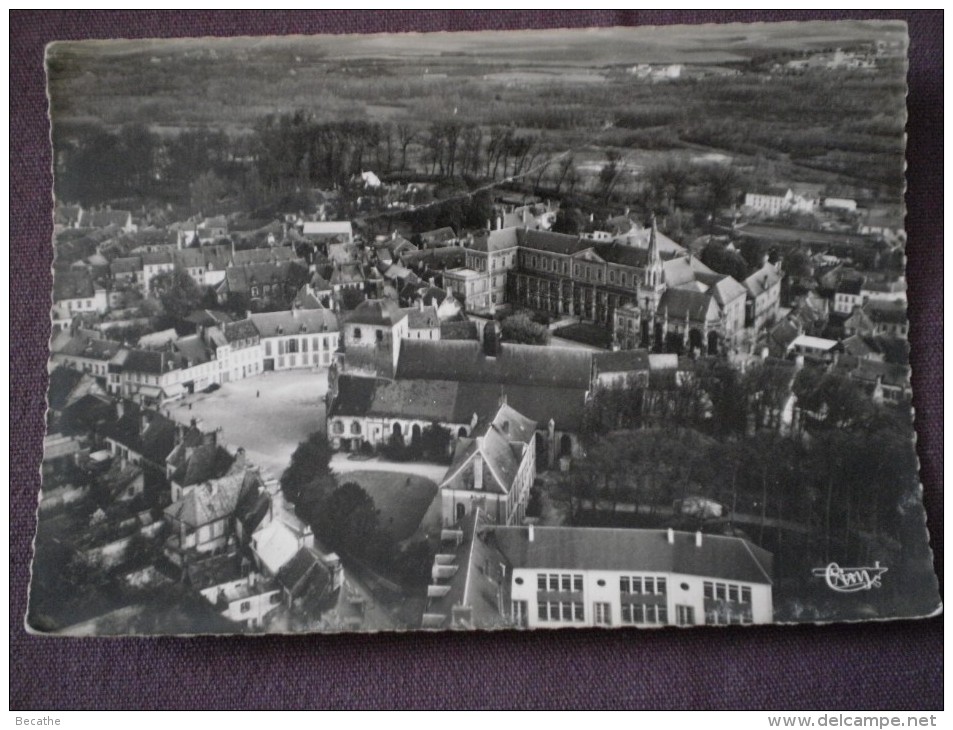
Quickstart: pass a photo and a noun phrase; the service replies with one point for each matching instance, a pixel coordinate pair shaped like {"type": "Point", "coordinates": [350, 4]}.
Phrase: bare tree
{"type": "Point", "coordinates": [406, 136]}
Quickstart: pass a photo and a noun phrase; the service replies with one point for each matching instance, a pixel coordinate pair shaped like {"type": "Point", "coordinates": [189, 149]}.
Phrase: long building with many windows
{"type": "Point", "coordinates": [496, 576]}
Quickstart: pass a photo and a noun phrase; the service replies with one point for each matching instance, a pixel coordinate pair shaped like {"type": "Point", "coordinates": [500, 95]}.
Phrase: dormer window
{"type": "Point", "coordinates": [357, 333]}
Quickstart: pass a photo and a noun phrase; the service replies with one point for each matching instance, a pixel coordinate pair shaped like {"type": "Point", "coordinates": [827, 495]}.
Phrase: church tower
{"type": "Point", "coordinates": [653, 278]}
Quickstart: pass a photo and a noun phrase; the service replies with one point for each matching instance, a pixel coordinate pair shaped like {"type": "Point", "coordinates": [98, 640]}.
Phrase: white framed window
{"type": "Point", "coordinates": [685, 615]}
{"type": "Point", "coordinates": [602, 613]}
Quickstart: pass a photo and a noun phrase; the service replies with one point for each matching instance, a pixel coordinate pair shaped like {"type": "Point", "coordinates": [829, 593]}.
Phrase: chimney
{"type": "Point", "coordinates": [698, 538]}
{"type": "Point", "coordinates": [420, 304]}
{"type": "Point", "coordinates": [532, 533]}
{"type": "Point", "coordinates": [671, 536]}
{"type": "Point", "coordinates": [489, 226]}
{"type": "Point", "coordinates": [499, 222]}
{"type": "Point", "coordinates": [239, 460]}
{"type": "Point", "coordinates": [144, 419]}
{"type": "Point", "coordinates": [478, 472]}
{"type": "Point", "coordinates": [120, 408]}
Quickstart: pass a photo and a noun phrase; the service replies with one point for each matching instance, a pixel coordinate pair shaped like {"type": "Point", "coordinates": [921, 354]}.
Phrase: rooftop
{"type": "Point", "coordinates": [616, 549]}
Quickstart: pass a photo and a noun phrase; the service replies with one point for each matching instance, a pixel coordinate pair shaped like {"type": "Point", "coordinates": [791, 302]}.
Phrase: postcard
{"type": "Point", "coordinates": [480, 330]}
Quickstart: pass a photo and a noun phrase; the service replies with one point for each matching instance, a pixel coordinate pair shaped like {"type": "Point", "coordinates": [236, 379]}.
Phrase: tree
{"type": "Point", "coordinates": [435, 442]}
{"type": "Point", "coordinates": [569, 220]}
{"type": "Point", "coordinates": [610, 175]}
{"type": "Point", "coordinates": [206, 193]}
{"type": "Point", "coordinates": [349, 521]}
{"type": "Point", "coordinates": [567, 163]}
{"type": "Point", "coordinates": [720, 186]}
{"type": "Point", "coordinates": [178, 292]}
{"type": "Point", "coordinates": [308, 478]}
{"type": "Point", "coordinates": [520, 328]}
{"type": "Point", "coordinates": [721, 260]}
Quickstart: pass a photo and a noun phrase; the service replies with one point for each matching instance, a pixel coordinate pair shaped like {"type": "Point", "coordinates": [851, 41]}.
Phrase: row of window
{"type": "Point", "coordinates": [637, 613]}
{"type": "Point", "coordinates": [556, 582]}
{"type": "Point", "coordinates": [727, 592]}
{"type": "Point", "coordinates": [642, 585]}
{"type": "Point", "coordinates": [725, 617]}
{"type": "Point", "coordinates": [562, 267]}
{"type": "Point", "coordinates": [561, 611]}
{"type": "Point", "coordinates": [300, 345]}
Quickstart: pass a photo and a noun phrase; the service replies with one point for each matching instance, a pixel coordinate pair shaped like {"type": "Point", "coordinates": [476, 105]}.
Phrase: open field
{"type": "Point", "coordinates": [270, 425]}
{"type": "Point", "coordinates": [402, 499]}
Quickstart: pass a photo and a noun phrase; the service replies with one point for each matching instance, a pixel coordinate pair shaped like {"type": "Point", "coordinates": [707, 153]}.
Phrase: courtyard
{"type": "Point", "coordinates": [269, 415]}
{"type": "Point", "coordinates": [403, 499]}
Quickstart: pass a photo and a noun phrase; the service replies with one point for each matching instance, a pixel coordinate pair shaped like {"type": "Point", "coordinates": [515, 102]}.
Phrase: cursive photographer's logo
{"type": "Point", "coordinates": [850, 580]}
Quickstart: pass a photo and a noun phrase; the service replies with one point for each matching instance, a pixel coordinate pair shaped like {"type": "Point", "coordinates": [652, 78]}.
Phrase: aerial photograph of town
{"type": "Point", "coordinates": [480, 330]}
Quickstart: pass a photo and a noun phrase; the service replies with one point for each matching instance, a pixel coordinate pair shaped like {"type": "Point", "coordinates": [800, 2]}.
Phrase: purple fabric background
{"type": "Point", "coordinates": [895, 665]}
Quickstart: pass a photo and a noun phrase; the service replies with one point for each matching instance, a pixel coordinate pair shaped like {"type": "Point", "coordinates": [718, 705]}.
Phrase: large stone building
{"type": "Point", "coordinates": [645, 288]}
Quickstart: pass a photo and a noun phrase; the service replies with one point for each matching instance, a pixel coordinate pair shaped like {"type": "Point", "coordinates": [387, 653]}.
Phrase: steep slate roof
{"type": "Point", "coordinates": [376, 311]}
{"type": "Point", "coordinates": [275, 545]}
{"type": "Point", "coordinates": [127, 265]}
{"type": "Point", "coordinates": [640, 238]}
{"type": "Point", "coordinates": [724, 288]}
{"type": "Point", "coordinates": [146, 361]}
{"type": "Point", "coordinates": [621, 361]}
{"type": "Point", "coordinates": [213, 501]}
{"type": "Point", "coordinates": [762, 280]}
{"type": "Point", "coordinates": [81, 346]}
{"type": "Point", "coordinates": [354, 396]}
{"type": "Point", "coordinates": [700, 306]}
{"type": "Point", "coordinates": [616, 253]}
{"type": "Point", "coordinates": [326, 228]}
{"type": "Point", "coordinates": [156, 258]}
{"type": "Point", "coordinates": [425, 319]}
{"type": "Point", "coordinates": [597, 548]}
{"type": "Point", "coordinates": [886, 312]}
{"type": "Point", "coordinates": [244, 329]}
{"type": "Point", "coordinates": [295, 321]}
{"type": "Point", "coordinates": [62, 382]}
{"type": "Point", "coordinates": [869, 371]}
{"type": "Point", "coordinates": [497, 240]}
{"type": "Point", "coordinates": [471, 586]}
{"type": "Point", "coordinates": [466, 330]}
{"type": "Point", "coordinates": [560, 243]}
{"type": "Point", "coordinates": [517, 364]}
{"type": "Point", "coordinates": [207, 461]}
{"type": "Point", "coordinates": [438, 259]}
{"type": "Point", "coordinates": [347, 274]}
{"type": "Point", "coordinates": [500, 462]}
{"type": "Point", "coordinates": [193, 349]}
{"type": "Point", "coordinates": [241, 278]}
{"type": "Point", "coordinates": [305, 568]}
{"type": "Point", "coordinates": [304, 299]}
{"type": "Point", "coordinates": [158, 438]}
{"type": "Point", "coordinates": [850, 286]}
{"type": "Point", "coordinates": [438, 235]}
{"type": "Point", "coordinates": [683, 269]}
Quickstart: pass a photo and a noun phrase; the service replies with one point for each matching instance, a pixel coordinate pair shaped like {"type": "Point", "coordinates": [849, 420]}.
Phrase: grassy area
{"type": "Point", "coordinates": [402, 499]}
{"type": "Point", "coordinates": [588, 334]}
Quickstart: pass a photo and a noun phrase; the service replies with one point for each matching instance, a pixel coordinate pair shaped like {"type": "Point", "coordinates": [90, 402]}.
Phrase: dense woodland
{"type": "Point", "coordinates": [840, 482]}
